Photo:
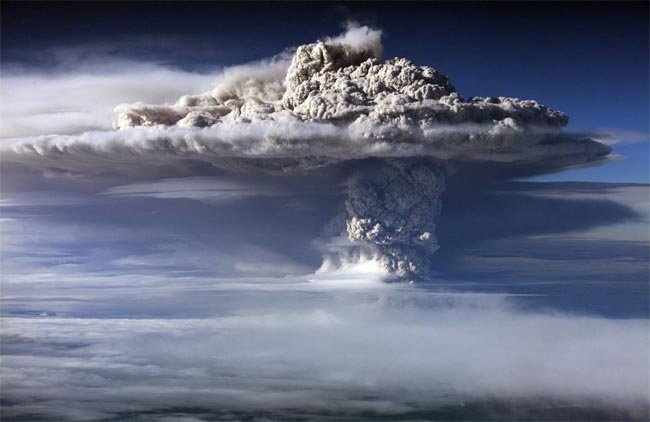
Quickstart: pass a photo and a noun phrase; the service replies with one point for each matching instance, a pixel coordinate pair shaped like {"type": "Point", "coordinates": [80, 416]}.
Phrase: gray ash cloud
{"type": "Point", "coordinates": [328, 103]}
{"type": "Point", "coordinates": [394, 209]}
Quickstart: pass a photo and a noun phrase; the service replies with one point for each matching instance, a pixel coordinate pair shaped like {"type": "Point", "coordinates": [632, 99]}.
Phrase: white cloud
{"type": "Point", "coordinates": [381, 351]}
{"type": "Point", "coordinates": [39, 102]}
{"type": "Point", "coordinates": [207, 189]}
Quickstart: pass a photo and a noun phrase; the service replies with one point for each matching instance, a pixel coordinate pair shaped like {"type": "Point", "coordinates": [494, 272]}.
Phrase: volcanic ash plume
{"type": "Point", "coordinates": [394, 210]}
{"type": "Point", "coordinates": [342, 81]}
{"type": "Point", "coordinates": [331, 102]}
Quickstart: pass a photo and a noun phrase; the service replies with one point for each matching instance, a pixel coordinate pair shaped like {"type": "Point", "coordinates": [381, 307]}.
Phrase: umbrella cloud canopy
{"type": "Point", "coordinates": [340, 88]}
{"type": "Point", "coordinates": [322, 106]}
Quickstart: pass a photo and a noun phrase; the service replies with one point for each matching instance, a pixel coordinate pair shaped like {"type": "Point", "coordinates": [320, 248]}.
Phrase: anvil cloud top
{"type": "Point", "coordinates": [324, 104]}
{"type": "Point", "coordinates": [334, 98]}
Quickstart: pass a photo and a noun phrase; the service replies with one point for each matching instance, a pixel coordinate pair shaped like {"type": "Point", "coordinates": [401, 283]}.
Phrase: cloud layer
{"type": "Point", "coordinates": [182, 298]}
{"type": "Point", "coordinates": [381, 352]}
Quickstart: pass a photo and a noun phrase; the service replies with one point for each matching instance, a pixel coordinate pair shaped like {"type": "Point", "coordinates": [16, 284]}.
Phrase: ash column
{"type": "Point", "coordinates": [393, 208]}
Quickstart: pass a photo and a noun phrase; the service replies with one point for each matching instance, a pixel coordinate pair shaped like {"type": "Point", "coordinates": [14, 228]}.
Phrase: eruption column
{"type": "Point", "coordinates": [393, 208]}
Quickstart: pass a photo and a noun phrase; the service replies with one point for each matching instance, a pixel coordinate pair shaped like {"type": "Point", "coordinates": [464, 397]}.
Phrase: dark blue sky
{"type": "Point", "coordinates": [589, 60]}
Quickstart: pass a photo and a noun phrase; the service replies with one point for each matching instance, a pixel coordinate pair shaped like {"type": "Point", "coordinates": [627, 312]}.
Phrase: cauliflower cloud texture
{"type": "Point", "coordinates": [328, 103]}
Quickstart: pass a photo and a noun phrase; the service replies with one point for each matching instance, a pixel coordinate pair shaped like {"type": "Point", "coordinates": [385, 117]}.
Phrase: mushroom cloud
{"type": "Point", "coordinates": [395, 129]}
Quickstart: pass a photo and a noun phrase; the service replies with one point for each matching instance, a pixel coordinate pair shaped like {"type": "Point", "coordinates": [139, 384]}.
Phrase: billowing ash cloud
{"type": "Point", "coordinates": [330, 102]}
{"type": "Point", "coordinates": [341, 85]}
{"type": "Point", "coordinates": [342, 81]}
{"type": "Point", "coordinates": [395, 209]}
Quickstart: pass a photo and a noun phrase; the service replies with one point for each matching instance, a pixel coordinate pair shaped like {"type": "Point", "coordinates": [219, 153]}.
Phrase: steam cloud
{"type": "Point", "coordinates": [331, 102]}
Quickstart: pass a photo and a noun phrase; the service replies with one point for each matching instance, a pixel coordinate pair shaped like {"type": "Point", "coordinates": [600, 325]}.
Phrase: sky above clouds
{"type": "Point", "coordinates": [185, 273]}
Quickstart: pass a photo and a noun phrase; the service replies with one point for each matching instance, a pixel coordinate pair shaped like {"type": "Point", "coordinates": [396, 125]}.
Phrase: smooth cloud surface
{"type": "Point", "coordinates": [378, 354]}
